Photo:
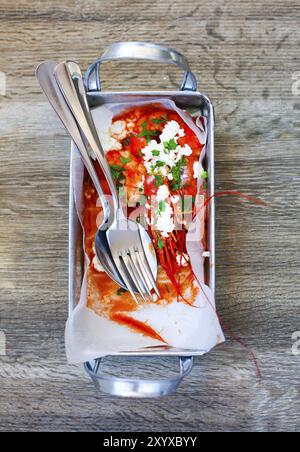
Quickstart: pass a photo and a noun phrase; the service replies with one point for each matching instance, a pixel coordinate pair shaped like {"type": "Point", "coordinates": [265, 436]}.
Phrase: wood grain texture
{"type": "Point", "coordinates": [244, 55]}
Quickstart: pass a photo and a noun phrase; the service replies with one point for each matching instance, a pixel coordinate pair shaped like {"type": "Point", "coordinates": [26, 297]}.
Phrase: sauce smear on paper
{"type": "Point", "coordinates": [131, 132]}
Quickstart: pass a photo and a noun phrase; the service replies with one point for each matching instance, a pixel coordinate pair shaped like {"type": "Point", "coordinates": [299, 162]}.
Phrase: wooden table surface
{"type": "Point", "coordinates": [245, 55]}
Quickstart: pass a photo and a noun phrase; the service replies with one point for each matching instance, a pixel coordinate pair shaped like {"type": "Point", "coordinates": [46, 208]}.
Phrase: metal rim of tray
{"type": "Point", "coordinates": [128, 387]}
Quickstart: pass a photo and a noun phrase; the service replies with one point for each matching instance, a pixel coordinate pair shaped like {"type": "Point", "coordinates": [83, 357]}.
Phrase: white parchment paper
{"type": "Point", "coordinates": [183, 327]}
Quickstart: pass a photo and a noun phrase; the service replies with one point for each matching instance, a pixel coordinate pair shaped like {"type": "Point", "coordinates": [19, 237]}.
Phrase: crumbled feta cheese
{"type": "Point", "coordinates": [163, 193]}
{"type": "Point", "coordinates": [155, 153]}
{"type": "Point", "coordinates": [182, 259]}
{"type": "Point", "coordinates": [159, 159]}
{"type": "Point", "coordinates": [198, 169]}
{"type": "Point", "coordinates": [175, 199]}
{"type": "Point", "coordinates": [171, 131]}
{"type": "Point", "coordinates": [165, 222]}
{"type": "Point", "coordinates": [150, 148]}
{"type": "Point", "coordinates": [108, 142]}
{"type": "Point", "coordinates": [118, 130]}
{"type": "Point", "coordinates": [97, 265]}
{"type": "Point", "coordinates": [163, 171]}
{"type": "Point", "coordinates": [111, 137]}
{"type": "Point", "coordinates": [184, 151]}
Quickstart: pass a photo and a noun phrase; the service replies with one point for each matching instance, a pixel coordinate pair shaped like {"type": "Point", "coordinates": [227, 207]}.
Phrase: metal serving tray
{"type": "Point", "coordinates": [187, 98]}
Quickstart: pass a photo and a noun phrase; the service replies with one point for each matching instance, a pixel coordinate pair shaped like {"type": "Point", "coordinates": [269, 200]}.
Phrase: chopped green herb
{"type": "Point", "coordinates": [204, 175]}
{"type": "Point", "coordinates": [141, 190]}
{"type": "Point", "coordinates": [161, 207]}
{"type": "Point", "coordinates": [121, 291]}
{"type": "Point", "coordinates": [177, 169]}
{"type": "Point", "coordinates": [126, 142]}
{"type": "Point", "coordinates": [160, 243]}
{"type": "Point", "coordinates": [117, 172]}
{"type": "Point", "coordinates": [148, 134]}
{"type": "Point", "coordinates": [160, 164]}
{"type": "Point", "coordinates": [117, 168]}
{"type": "Point", "coordinates": [125, 160]}
{"type": "Point", "coordinates": [155, 153]}
{"type": "Point", "coordinates": [175, 186]}
{"type": "Point", "coordinates": [176, 173]}
{"type": "Point", "coordinates": [170, 145]}
{"type": "Point", "coordinates": [159, 180]}
{"type": "Point", "coordinates": [164, 118]}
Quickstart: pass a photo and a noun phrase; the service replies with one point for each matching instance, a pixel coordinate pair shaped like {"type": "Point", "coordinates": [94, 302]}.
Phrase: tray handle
{"type": "Point", "coordinates": [127, 387]}
{"type": "Point", "coordinates": [140, 51]}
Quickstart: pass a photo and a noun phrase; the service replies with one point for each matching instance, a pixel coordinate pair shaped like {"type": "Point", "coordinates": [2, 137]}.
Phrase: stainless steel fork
{"type": "Point", "coordinates": [124, 236]}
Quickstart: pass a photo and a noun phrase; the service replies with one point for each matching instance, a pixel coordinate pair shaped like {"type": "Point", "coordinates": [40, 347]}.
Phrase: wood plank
{"type": "Point", "coordinates": [244, 55]}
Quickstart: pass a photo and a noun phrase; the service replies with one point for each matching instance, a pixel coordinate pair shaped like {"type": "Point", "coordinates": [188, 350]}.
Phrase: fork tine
{"type": "Point", "coordinates": [123, 272]}
{"type": "Point", "coordinates": [143, 277]}
{"type": "Point", "coordinates": [148, 284]}
{"type": "Point", "coordinates": [127, 258]}
{"type": "Point", "coordinates": [147, 269]}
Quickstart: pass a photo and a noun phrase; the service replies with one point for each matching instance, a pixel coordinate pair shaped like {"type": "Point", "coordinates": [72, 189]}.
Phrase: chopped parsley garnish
{"type": "Point", "coordinates": [161, 120]}
{"type": "Point", "coordinates": [126, 141]}
{"type": "Point", "coordinates": [159, 180]}
{"type": "Point", "coordinates": [170, 145]}
{"type": "Point", "coordinates": [161, 207]}
{"type": "Point", "coordinates": [157, 120]}
{"type": "Point", "coordinates": [177, 169]}
{"type": "Point", "coordinates": [175, 186]}
{"type": "Point", "coordinates": [121, 291]}
{"type": "Point", "coordinates": [155, 153]}
{"type": "Point", "coordinates": [160, 243]}
{"type": "Point", "coordinates": [204, 175]}
{"type": "Point", "coordinates": [117, 172]}
{"type": "Point", "coordinates": [125, 160]}
{"type": "Point", "coordinates": [141, 190]}
{"type": "Point", "coordinates": [148, 134]}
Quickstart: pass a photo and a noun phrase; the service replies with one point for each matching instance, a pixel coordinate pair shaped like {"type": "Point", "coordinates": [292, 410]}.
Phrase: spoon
{"type": "Point", "coordinates": [127, 239]}
{"type": "Point", "coordinates": [47, 81]}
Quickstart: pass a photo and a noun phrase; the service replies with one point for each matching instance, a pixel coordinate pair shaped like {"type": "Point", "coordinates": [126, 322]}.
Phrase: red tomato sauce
{"type": "Point", "coordinates": [175, 281]}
